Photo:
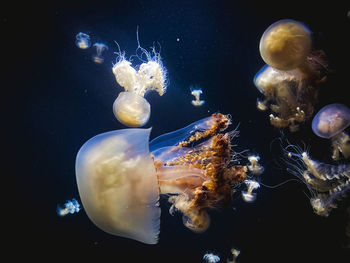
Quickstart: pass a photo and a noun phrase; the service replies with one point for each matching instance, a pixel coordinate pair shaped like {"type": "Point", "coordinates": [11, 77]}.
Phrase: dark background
{"type": "Point", "coordinates": [54, 98]}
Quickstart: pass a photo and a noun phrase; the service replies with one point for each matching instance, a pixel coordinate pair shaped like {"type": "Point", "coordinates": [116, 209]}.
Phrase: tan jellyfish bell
{"type": "Point", "coordinates": [285, 44]}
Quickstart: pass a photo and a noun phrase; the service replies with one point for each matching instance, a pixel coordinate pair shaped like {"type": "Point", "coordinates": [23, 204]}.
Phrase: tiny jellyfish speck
{"type": "Point", "coordinates": [235, 253]}
{"type": "Point", "coordinates": [100, 48]}
{"type": "Point", "coordinates": [82, 40]}
{"type": "Point", "coordinates": [130, 107]}
{"type": "Point", "coordinates": [70, 207]}
{"type": "Point", "coordinates": [196, 92]}
{"type": "Point", "coordinates": [211, 258]}
{"type": "Point", "coordinates": [121, 175]}
{"type": "Point", "coordinates": [292, 74]}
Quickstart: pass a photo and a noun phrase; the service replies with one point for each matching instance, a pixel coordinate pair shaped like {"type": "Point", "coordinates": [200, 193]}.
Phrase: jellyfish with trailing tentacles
{"type": "Point", "coordinates": [82, 40]}
{"type": "Point", "coordinates": [293, 73]}
{"type": "Point", "coordinates": [330, 123]}
{"type": "Point", "coordinates": [120, 180]}
{"type": "Point", "coordinates": [327, 183]}
{"type": "Point", "coordinates": [100, 48]}
{"type": "Point", "coordinates": [130, 107]}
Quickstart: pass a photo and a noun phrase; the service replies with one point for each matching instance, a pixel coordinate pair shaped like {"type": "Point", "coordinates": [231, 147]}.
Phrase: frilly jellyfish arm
{"type": "Point", "coordinates": [195, 131]}
{"type": "Point", "coordinates": [118, 185]}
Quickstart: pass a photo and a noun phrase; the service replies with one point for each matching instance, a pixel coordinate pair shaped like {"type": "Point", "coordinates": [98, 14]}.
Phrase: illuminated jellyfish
{"type": "Point", "coordinates": [120, 181]}
{"type": "Point", "coordinates": [235, 253]}
{"type": "Point", "coordinates": [330, 123]}
{"type": "Point", "coordinates": [327, 183]}
{"type": "Point", "coordinates": [70, 207]}
{"type": "Point", "coordinates": [100, 47]}
{"type": "Point", "coordinates": [248, 196]}
{"type": "Point", "coordinates": [211, 258]}
{"type": "Point", "coordinates": [130, 107]}
{"type": "Point", "coordinates": [292, 75]}
{"type": "Point", "coordinates": [82, 40]}
{"type": "Point", "coordinates": [196, 92]}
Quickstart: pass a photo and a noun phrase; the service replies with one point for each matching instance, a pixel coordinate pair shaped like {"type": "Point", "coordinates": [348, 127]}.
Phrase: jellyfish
{"type": "Point", "coordinates": [70, 207]}
{"type": "Point", "coordinates": [327, 183]}
{"type": "Point", "coordinates": [290, 79]}
{"type": "Point", "coordinates": [82, 40]}
{"type": "Point", "coordinates": [120, 180]}
{"type": "Point", "coordinates": [130, 107]}
{"type": "Point", "coordinates": [211, 258]}
{"type": "Point", "coordinates": [235, 253]}
{"type": "Point", "coordinates": [330, 123]}
{"type": "Point", "coordinates": [254, 166]}
{"type": "Point", "coordinates": [248, 196]}
{"type": "Point", "coordinates": [196, 92]}
{"type": "Point", "coordinates": [100, 47]}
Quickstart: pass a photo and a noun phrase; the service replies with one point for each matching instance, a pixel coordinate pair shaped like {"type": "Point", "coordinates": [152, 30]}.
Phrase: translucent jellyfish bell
{"type": "Point", "coordinates": [82, 40]}
{"type": "Point", "coordinates": [330, 123]}
{"type": "Point", "coordinates": [130, 107]}
{"type": "Point", "coordinates": [118, 185]}
{"type": "Point", "coordinates": [285, 44]}
{"type": "Point", "coordinates": [100, 48]}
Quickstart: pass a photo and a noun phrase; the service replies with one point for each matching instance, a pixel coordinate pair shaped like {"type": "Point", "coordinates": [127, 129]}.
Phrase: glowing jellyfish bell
{"type": "Point", "coordinates": [100, 47]}
{"type": "Point", "coordinates": [82, 40]}
{"type": "Point", "coordinates": [120, 180]}
{"type": "Point", "coordinates": [285, 44]}
{"type": "Point", "coordinates": [330, 123]}
{"type": "Point", "coordinates": [130, 107]}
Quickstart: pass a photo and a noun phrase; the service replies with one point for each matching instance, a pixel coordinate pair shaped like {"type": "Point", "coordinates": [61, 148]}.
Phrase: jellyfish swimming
{"type": "Point", "coordinates": [235, 253]}
{"type": "Point", "coordinates": [82, 40]}
{"type": "Point", "coordinates": [130, 107]}
{"type": "Point", "coordinates": [211, 258]}
{"type": "Point", "coordinates": [196, 92]}
{"type": "Point", "coordinates": [248, 196]}
{"type": "Point", "coordinates": [70, 207]}
{"type": "Point", "coordinates": [292, 74]}
{"type": "Point", "coordinates": [330, 123]}
{"type": "Point", "coordinates": [100, 48]}
{"type": "Point", "coordinates": [120, 180]}
{"type": "Point", "coordinates": [327, 183]}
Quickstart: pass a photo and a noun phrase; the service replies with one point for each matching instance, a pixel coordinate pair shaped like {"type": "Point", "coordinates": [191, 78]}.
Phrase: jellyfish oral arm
{"type": "Point", "coordinates": [179, 179]}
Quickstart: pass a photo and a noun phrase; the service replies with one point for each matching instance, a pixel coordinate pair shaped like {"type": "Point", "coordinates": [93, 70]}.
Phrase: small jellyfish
{"type": "Point", "coordinates": [330, 123]}
{"type": "Point", "coordinates": [70, 207]}
{"type": "Point", "coordinates": [235, 253]}
{"type": "Point", "coordinates": [120, 180]}
{"type": "Point", "coordinates": [327, 183]}
{"type": "Point", "coordinates": [130, 107]}
{"type": "Point", "coordinates": [248, 196]}
{"type": "Point", "coordinates": [100, 47]}
{"type": "Point", "coordinates": [196, 92]}
{"type": "Point", "coordinates": [211, 258]}
{"type": "Point", "coordinates": [254, 166]}
{"type": "Point", "coordinates": [293, 73]}
{"type": "Point", "coordinates": [82, 40]}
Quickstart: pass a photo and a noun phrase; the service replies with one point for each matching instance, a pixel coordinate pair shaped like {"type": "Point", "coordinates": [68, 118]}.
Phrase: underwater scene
{"type": "Point", "coordinates": [177, 131]}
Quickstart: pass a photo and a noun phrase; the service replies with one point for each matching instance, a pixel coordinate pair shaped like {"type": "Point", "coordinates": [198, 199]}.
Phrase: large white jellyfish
{"type": "Point", "coordinates": [130, 107]}
{"type": "Point", "coordinates": [330, 123]}
{"type": "Point", "coordinates": [120, 180]}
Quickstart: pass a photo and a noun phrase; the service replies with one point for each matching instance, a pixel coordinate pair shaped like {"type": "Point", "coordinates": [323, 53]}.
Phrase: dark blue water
{"type": "Point", "coordinates": [56, 98]}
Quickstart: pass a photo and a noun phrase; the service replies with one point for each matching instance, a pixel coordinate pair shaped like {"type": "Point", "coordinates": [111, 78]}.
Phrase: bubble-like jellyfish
{"type": "Point", "coordinates": [82, 40]}
{"type": "Point", "coordinates": [327, 183]}
{"type": "Point", "coordinates": [330, 123]}
{"type": "Point", "coordinates": [211, 258]}
{"type": "Point", "coordinates": [100, 48]}
{"type": "Point", "coordinates": [70, 207]}
{"type": "Point", "coordinates": [120, 180]}
{"type": "Point", "coordinates": [196, 92]}
{"type": "Point", "coordinates": [293, 73]}
{"type": "Point", "coordinates": [130, 107]}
